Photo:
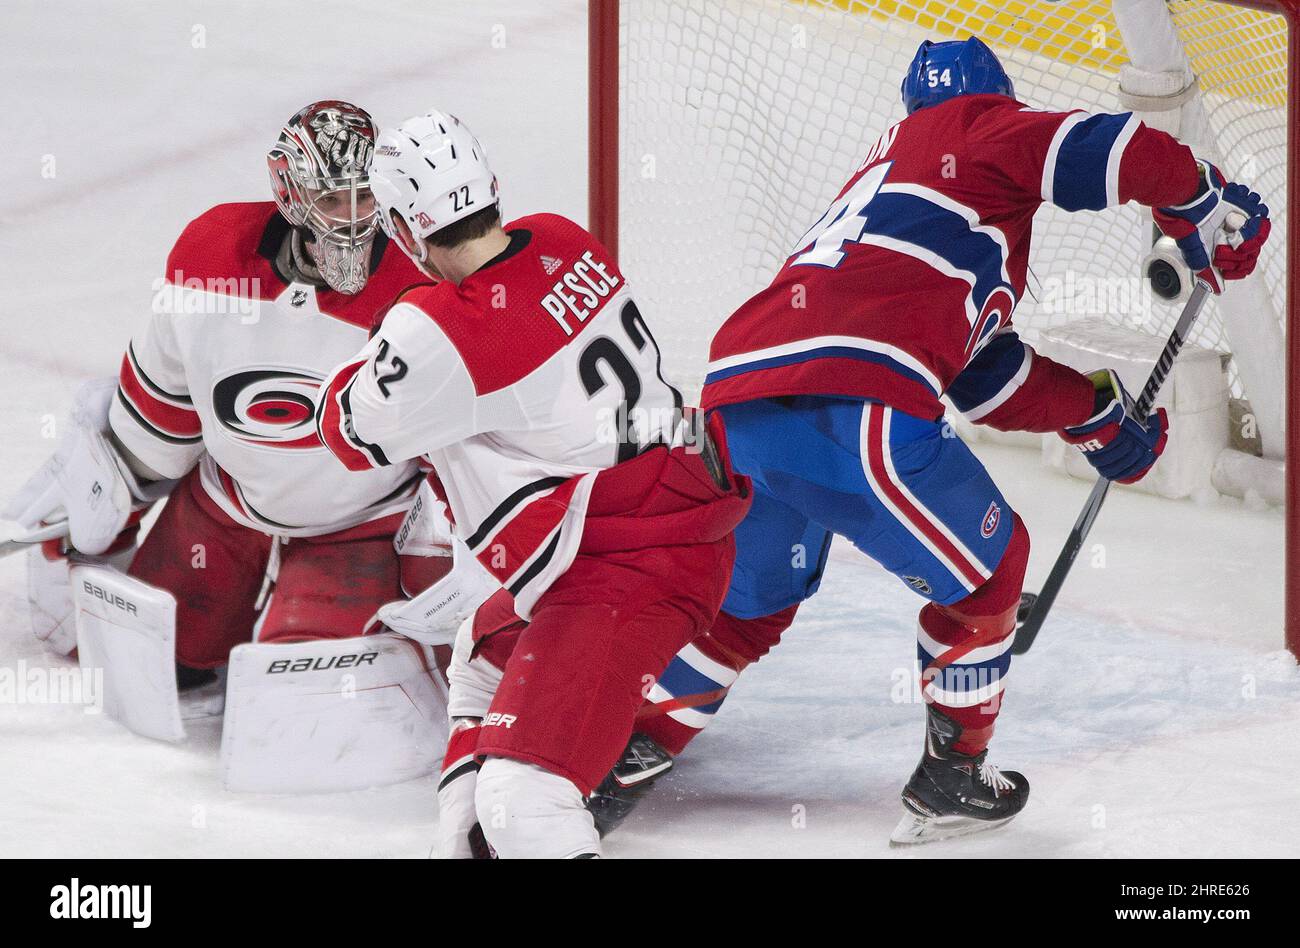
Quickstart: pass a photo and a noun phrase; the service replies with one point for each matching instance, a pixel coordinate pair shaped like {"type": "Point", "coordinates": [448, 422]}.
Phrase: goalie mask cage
{"type": "Point", "coordinates": [719, 129]}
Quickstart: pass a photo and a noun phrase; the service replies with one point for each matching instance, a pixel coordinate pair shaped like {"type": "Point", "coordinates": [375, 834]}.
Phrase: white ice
{"type": "Point", "coordinates": [1156, 716]}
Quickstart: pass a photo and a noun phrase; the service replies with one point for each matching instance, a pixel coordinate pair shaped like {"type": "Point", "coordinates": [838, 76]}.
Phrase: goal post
{"type": "Point", "coordinates": [718, 129]}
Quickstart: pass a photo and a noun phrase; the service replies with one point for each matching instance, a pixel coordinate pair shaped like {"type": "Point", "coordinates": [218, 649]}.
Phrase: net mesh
{"type": "Point", "coordinates": [741, 119]}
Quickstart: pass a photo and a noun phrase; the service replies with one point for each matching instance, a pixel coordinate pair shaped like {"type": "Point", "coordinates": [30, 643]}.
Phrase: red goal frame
{"type": "Point", "coordinates": [602, 218]}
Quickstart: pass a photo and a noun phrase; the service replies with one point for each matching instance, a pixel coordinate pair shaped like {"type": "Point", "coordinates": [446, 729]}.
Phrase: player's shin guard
{"type": "Point", "coordinates": [459, 834]}
{"type": "Point", "coordinates": [530, 813]}
{"type": "Point", "coordinates": [696, 682]}
{"type": "Point", "coordinates": [965, 648]}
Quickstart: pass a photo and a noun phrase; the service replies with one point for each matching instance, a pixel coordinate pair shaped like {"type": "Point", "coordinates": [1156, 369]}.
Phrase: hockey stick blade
{"type": "Point", "coordinates": [1027, 631]}
{"type": "Point", "coordinates": [15, 546]}
{"type": "Point", "coordinates": [35, 537]}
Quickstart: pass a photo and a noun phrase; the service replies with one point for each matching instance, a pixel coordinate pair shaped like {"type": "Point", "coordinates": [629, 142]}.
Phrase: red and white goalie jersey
{"type": "Point", "coordinates": [904, 289]}
{"type": "Point", "coordinates": [226, 376]}
{"type": "Point", "coordinates": [520, 383]}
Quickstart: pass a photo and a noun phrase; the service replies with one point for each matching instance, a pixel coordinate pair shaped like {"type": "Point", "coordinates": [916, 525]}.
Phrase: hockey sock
{"type": "Point", "coordinates": [965, 648]}
{"type": "Point", "coordinates": [693, 686]}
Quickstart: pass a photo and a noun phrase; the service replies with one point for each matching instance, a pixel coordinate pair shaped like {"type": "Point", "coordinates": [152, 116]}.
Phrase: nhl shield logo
{"type": "Point", "coordinates": [992, 517]}
{"type": "Point", "coordinates": [919, 583]}
{"type": "Point", "coordinates": [299, 297]}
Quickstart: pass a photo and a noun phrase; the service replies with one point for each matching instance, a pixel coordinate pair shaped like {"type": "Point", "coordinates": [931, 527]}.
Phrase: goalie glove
{"type": "Point", "coordinates": [85, 485]}
{"type": "Point", "coordinates": [1220, 231]}
{"type": "Point", "coordinates": [434, 615]}
{"type": "Point", "coordinates": [424, 542]}
{"type": "Point", "coordinates": [1119, 448]}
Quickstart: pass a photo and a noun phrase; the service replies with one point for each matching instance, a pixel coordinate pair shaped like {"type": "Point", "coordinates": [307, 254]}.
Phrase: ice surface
{"type": "Point", "coordinates": [1155, 716]}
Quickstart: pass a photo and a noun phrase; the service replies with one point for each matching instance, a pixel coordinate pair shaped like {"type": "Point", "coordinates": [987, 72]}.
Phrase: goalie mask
{"type": "Point", "coordinates": [320, 167]}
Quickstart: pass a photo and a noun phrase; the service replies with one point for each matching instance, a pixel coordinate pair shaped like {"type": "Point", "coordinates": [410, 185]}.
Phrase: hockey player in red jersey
{"type": "Point", "coordinates": [215, 405]}
{"type": "Point", "coordinates": [829, 382]}
{"type": "Point", "coordinates": [531, 381]}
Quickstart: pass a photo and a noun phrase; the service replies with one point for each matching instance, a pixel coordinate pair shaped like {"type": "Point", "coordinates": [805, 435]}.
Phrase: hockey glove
{"type": "Point", "coordinates": [85, 482]}
{"type": "Point", "coordinates": [1119, 448]}
{"type": "Point", "coordinates": [1220, 231]}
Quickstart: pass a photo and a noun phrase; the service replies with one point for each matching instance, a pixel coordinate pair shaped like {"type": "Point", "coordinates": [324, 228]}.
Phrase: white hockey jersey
{"type": "Point", "coordinates": [226, 376]}
{"type": "Point", "coordinates": [519, 384]}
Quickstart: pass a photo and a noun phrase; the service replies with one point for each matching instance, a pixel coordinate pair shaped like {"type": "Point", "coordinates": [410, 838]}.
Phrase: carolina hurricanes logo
{"type": "Point", "coordinates": [275, 408]}
{"type": "Point", "coordinates": [994, 314]}
{"type": "Point", "coordinates": [992, 517]}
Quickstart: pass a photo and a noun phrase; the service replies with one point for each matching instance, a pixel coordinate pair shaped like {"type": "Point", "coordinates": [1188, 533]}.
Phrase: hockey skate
{"type": "Point", "coordinates": [954, 794]}
{"type": "Point", "coordinates": [202, 692]}
{"type": "Point", "coordinates": [643, 761]}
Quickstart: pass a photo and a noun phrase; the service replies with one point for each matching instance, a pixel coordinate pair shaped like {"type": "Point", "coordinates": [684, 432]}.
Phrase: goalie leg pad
{"type": "Point", "coordinates": [49, 593]}
{"type": "Point", "coordinates": [126, 631]}
{"type": "Point", "coordinates": [332, 714]}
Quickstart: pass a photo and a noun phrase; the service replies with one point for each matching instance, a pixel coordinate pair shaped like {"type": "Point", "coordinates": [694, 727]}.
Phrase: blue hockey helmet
{"type": "Point", "coordinates": [940, 71]}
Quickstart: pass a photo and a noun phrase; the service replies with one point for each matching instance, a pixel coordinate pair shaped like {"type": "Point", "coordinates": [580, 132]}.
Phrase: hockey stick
{"type": "Point", "coordinates": [52, 531]}
{"type": "Point", "coordinates": [1035, 608]}
{"type": "Point", "coordinates": [13, 546]}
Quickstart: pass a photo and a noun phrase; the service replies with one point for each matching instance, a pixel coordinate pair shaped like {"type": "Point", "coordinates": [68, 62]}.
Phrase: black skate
{"type": "Point", "coordinates": [953, 794]}
{"type": "Point", "coordinates": [643, 761]}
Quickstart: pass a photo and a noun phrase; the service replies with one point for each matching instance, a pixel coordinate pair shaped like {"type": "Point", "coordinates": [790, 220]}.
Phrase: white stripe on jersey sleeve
{"type": "Point", "coordinates": [1115, 157]}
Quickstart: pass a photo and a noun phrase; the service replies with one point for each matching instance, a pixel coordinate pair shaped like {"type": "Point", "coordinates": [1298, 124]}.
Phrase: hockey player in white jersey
{"type": "Point", "coordinates": [531, 380]}
{"type": "Point", "coordinates": [214, 405]}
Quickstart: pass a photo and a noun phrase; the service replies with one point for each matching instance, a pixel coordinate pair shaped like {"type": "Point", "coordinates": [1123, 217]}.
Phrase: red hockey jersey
{"type": "Point", "coordinates": [904, 289]}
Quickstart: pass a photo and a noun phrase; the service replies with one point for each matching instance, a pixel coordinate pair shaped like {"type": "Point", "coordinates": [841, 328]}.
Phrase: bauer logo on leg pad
{"type": "Point", "coordinates": [361, 712]}
{"type": "Point", "coordinates": [498, 719]}
{"type": "Point", "coordinates": [112, 599]}
{"type": "Point", "coordinates": [321, 663]}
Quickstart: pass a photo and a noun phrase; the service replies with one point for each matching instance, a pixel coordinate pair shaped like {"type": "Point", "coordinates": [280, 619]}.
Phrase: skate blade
{"type": "Point", "coordinates": [913, 830]}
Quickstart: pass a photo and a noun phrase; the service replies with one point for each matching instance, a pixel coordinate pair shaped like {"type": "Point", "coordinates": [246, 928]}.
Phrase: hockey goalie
{"type": "Point", "coordinates": [263, 537]}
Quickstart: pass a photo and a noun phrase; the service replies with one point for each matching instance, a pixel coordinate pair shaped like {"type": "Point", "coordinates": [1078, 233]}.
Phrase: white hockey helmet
{"type": "Point", "coordinates": [431, 171]}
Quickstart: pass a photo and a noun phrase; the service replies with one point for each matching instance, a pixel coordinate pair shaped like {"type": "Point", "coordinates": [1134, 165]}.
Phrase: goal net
{"type": "Point", "coordinates": [739, 120]}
